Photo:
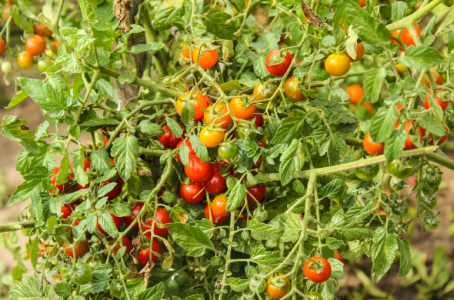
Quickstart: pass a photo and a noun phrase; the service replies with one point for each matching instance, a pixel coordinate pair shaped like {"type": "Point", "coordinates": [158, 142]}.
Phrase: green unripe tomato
{"type": "Point", "coordinates": [82, 275]}
{"type": "Point", "coordinates": [6, 67]}
{"type": "Point", "coordinates": [43, 64]}
{"type": "Point", "coordinates": [260, 215]}
{"type": "Point", "coordinates": [428, 200]}
{"type": "Point", "coordinates": [449, 120]}
{"type": "Point", "coordinates": [448, 3]}
{"type": "Point", "coordinates": [314, 296]}
{"type": "Point", "coordinates": [257, 285]}
{"type": "Point", "coordinates": [367, 172]}
{"type": "Point", "coordinates": [270, 244]}
{"type": "Point", "coordinates": [431, 177]}
{"type": "Point", "coordinates": [65, 271]}
{"type": "Point", "coordinates": [400, 168]}
{"type": "Point", "coordinates": [400, 208]}
{"type": "Point", "coordinates": [227, 151]}
{"type": "Point", "coordinates": [398, 184]}
{"type": "Point", "coordinates": [431, 221]}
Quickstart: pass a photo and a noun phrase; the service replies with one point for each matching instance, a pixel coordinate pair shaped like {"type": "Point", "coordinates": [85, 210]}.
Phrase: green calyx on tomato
{"type": "Point", "coordinates": [428, 200]}
{"type": "Point", "coordinates": [228, 150]}
{"type": "Point", "coordinates": [401, 168]}
{"type": "Point", "coordinates": [431, 221]}
{"type": "Point", "coordinates": [367, 172]}
{"type": "Point", "coordinates": [257, 285]}
{"type": "Point", "coordinates": [398, 184]}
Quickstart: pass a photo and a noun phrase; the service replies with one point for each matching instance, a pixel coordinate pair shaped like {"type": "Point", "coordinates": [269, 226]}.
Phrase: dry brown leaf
{"type": "Point", "coordinates": [121, 10]}
{"type": "Point", "coordinates": [310, 15]}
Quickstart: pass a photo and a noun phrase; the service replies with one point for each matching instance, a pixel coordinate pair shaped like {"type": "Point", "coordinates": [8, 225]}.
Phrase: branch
{"type": "Point", "coordinates": [17, 226]}
{"type": "Point", "coordinates": [413, 18]}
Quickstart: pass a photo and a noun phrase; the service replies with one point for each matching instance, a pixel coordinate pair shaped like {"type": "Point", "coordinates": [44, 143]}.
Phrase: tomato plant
{"type": "Point", "coordinates": [338, 64]}
{"type": "Point", "coordinates": [200, 103]}
{"type": "Point", "coordinates": [151, 253]}
{"type": "Point", "coordinates": [2, 46]}
{"type": "Point", "coordinates": [277, 286]}
{"type": "Point", "coordinates": [35, 45]}
{"type": "Point", "coordinates": [161, 216]}
{"type": "Point", "coordinates": [292, 89]}
{"type": "Point", "coordinates": [192, 193]}
{"type": "Point", "coordinates": [216, 183]}
{"type": "Point", "coordinates": [277, 62]}
{"type": "Point", "coordinates": [356, 93]}
{"type": "Point", "coordinates": [317, 269]}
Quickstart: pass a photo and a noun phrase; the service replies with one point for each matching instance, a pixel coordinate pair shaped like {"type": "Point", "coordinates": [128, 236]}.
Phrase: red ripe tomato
{"type": "Point", "coordinates": [116, 220]}
{"type": "Point", "coordinates": [208, 58]}
{"type": "Point", "coordinates": [405, 37]}
{"type": "Point", "coordinates": [125, 242]}
{"type": "Point", "coordinates": [317, 273]}
{"type": "Point", "coordinates": [168, 139]}
{"type": "Point", "coordinates": [258, 119]}
{"type": "Point", "coordinates": [188, 144]}
{"type": "Point", "coordinates": [337, 64]}
{"type": "Point", "coordinates": [66, 211]}
{"type": "Point", "coordinates": [277, 292]}
{"type": "Point", "coordinates": [239, 111]}
{"type": "Point", "coordinates": [219, 206]}
{"type": "Point", "coordinates": [216, 183]}
{"type": "Point", "coordinates": [25, 61]}
{"type": "Point", "coordinates": [359, 52]}
{"type": "Point", "coordinates": [197, 170]}
{"type": "Point", "coordinates": [371, 147]}
{"type": "Point", "coordinates": [257, 192]}
{"type": "Point", "coordinates": [115, 192]}
{"type": "Point", "coordinates": [216, 219]}
{"type": "Point", "coordinates": [42, 248]}
{"type": "Point", "coordinates": [443, 104]}
{"type": "Point", "coordinates": [356, 93]}
{"type": "Point", "coordinates": [277, 62]}
{"type": "Point", "coordinates": [431, 136]}
{"type": "Point", "coordinates": [362, 3]}
{"type": "Point", "coordinates": [338, 256]}
{"type": "Point", "coordinates": [437, 77]}
{"type": "Point", "coordinates": [105, 141]}
{"type": "Point", "coordinates": [79, 250]}
{"type": "Point", "coordinates": [42, 30]}
{"type": "Point", "coordinates": [134, 213]}
{"type": "Point", "coordinates": [144, 255]}
{"type": "Point", "coordinates": [54, 45]}
{"type": "Point", "coordinates": [161, 216]}
{"type": "Point", "coordinates": [292, 89]}
{"type": "Point", "coordinates": [197, 100]}
{"type": "Point", "coordinates": [261, 144]}
{"type": "Point", "coordinates": [2, 46]}
{"type": "Point", "coordinates": [408, 143]}
{"type": "Point", "coordinates": [215, 112]}
{"type": "Point", "coordinates": [192, 193]}
{"type": "Point", "coordinates": [35, 45]}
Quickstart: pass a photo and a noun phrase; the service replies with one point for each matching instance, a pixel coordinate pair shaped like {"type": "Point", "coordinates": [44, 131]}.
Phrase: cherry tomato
{"type": "Point", "coordinates": [264, 91]}
{"type": "Point", "coordinates": [367, 172]}
{"type": "Point", "coordinates": [337, 64]}
{"type": "Point", "coordinates": [144, 255]}
{"type": "Point", "coordinates": [161, 216]}
{"type": "Point", "coordinates": [405, 37]}
{"type": "Point", "coordinates": [408, 128]}
{"type": "Point", "coordinates": [43, 64]}
{"type": "Point", "coordinates": [400, 168]}
{"type": "Point", "coordinates": [168, 139]}
{"type": "Point", "coordinates": [400, 208]}
{"type": "Point", "coordinates": [192, 193]}
{"type": "Point", "coordinates": [314, 295]}
{"type": "Point", "coordinates": [125, 242]}
{"type": "Point", "coordinates": [216, 183]}
{"type": "Point", "coordinates": [35, 45]}
{"type": "Point", "coordinates": [211, 138]}
{"type": "Point", "coordinates": [441, 140]}
{"type": "Point", "coordinates": [215, 112]}
{"type": "Point", "coordinates": [428, 200]}
{"type": "Point", "coordinates": [338, 256]}
{"type": "Point", "coordinates": [401, 68]}
{"type": "Point", "coordinates": [208, 58]}
{"type": "Point", "coordinates": [6, 67]}
{"type": "Point", "coordinates": [188, 144]}
{"type": "Point", "coordinates": [371, 147]}
{"type": "Point", "coordinates": [42, 30]}
{"type": "Point", "coordinates": [82, 274]}
{"type": "Point", "coordinates": [25, 61]}
{"type": "Point", "coordinates": [277, 288]}
{"type": "Point", "coordinates": [292, 90]}
{"type": "Point", "coordinates": [66, 211]}
{"type": "Point", "coordinates": [356, 93]}
{"type": "Point", "coordinates": [438, 79]}
{"type": "Point", "coordinates": [115, 192]}
{"type": "Point", "coordinates": [197, 100]}
{"type": "Point", "coordinates": [277, 62]}
{"type": "Point", "coordinates": [2, 46]}
{"type": "Point", "coordinates": [216, 219]}
{"type": "Point", "coordinates": [431, 176]}
{"type": "Point", "coordinates": [117, 221]}
{"type": "Point", "coordinates": [368, 106]}
{"type": "Point", "coordinates": [362, 3]}
{"type": "Point", "coordinates": [359, 51]}
{"type": "Point", "coordinates": [449, 121]}
{"type": "Point", "coordinates": [219, 206]}
{"type": "Point", "coordinates": [317, 273]}
{"type": "Point", "coordinates": [134, 213]}
{"type": "Point", "coordinates": [197, 170]}
{"type": "Point", "coordinates": [431, 221]}
{"type": "Point", "coordinates": [258, 119]}
{"type": "Point", "coordinates": [54, 45]}
{"type": "Point", "coordinates": [228, 150]}
{"type": "Point", "coordinates": [239, 111]}
{"type": "Point", "coordinates": [443, 104]}
{"type": "Point", "coordinates": [185, 51]}
{"type": "Point", "coordinates": [79, 250]}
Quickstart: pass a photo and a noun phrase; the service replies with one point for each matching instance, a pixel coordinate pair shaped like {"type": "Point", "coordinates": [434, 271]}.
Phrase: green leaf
{"type": "Point", "coordinates": [17, 131]}
{"type": "Point", "coordinates": [395, 144]}
{"type": "Point", "coordinates": [188, 114]}
{"type": "Point", "coordinates": [382, 124]}
{"type": "Point", "coordinates": [62, 176]}
{"type": "Point", "coordinates": [266, 258]}
{"type": "Point", "coordinates": [373, 83]}
{"type": "Point", "coordinates": [231, 85]}
{"type": "Point", "coordinates": [174, 127]}
{"type": "Point", "coordinates": [334, 244]}
{"type": "Point", "coordinates": [421, 57]}
{"type": "Point", "coordinates": [136, 49]}
{"type": "Point", "coordinates": [236, 196]}
{"type": "Point", "coordinates": [238, 284]}
{"type": "Point", "coordinates": [37, 208]}
{"type": "Point", "coordinates": [183, 151]}
{"type": "Point", "coordinates": [405, 257]}
{"type": "Point", "coordinates": [333, 188]}
{"type": "Point", "coordinates": [104, 87]}
{"type": "Point", "coordinates": [24, 190]}
{"type": "Point", "coordinates": [18, 98]}
{"type": "Point", "coordinates": [259, 67]}
{"type": "Point", "coordinates": [63, 289]}
{"type": "Point", "coordinates": [220, 23]}
{"type": "Point", "coordinates": [151, 129]}
{"type": "Point", "coordinates": [120, 209]}
{"type": "Point", "coordinates": [200, 149]}
{"type": "Point", "coordinates": [98, 282]}
{"type": "Point", "coordinates": [92, 122]}
{"type": "Point", "coordinates": [168, 17]}
{"type": "Point", "coordinates": [262, 231]}
{"type": "Point", "coordinates": [154, 293]}
{"type": "Point", "coordinates": [320, 75]}
{"type": "Point", "coordinates": [398, 10]}
{"type": "Point", "coordinates": [34, 252]}
{"type": "Point", "coordinates": [190, 238]}
{"type": "Point", "coordinates": [125, 150]}
{"type": "Point", "coordinates": [106, 222]}
{"type": "Point", "coordinates": [432, 125]}
{"type": "Point", "coordinates": [127, 78]}
{"type": "Point", "coordinates": [28, 288]}
{"type": "Point", "coordinates": [290, 129]}
{"type": "Point", "coordinates": [100, 160]}
{"type": "Point", "coordinates": [384, 251]}
{"type": "Point", "coordinates": [287, 165]}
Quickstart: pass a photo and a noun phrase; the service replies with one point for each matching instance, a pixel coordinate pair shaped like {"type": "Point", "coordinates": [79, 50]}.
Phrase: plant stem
{"type": "Point", "coordinates": [17, 226]}
{"type": "Point", "coordinates": [413, 18]}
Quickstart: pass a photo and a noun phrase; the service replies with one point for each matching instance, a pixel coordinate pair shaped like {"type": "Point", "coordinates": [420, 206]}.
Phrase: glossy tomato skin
{"type": "Point", "coordinates": [338, 256]}
{"type": "Point", "coordinates": [443, 104]}
{"type": "Point", "coordinates": [367, 172]}
{"type": "Point", "coordinates": [197, 170]}
{"type": "Point", "coordinates": [257, 192]}
{"type": "Point", "coordinates": [405, 37]}
{"type": "Point", "coordinates": [216, 183]}
{"type": "Point", "coordinates": [317, 276]}
{"type": "Point", "coordinates": [362, 3]}
{"type": "Point", "coordinates": [263, 91]}
{"type": "Point", "coordinates": [144, 255]}
{"type": "Point", "coordinates": [409, 145]}
{"type": "Point", "coordinates": [371, 147]}
{"type": "Point", "coordinates": [80, 249]}
{"type": "Point", "coordinates": [211, 138]}
{"type": "Point", "coordinates": [125, 242]}
{"type": "Point", "coordinates": [292, 89]}
{"type": "Point", "coordinates": [161, 216]}
{"type": "Point", "coordinates": [192, 193]}
{"type": "Point", "coordinates": [185, 51]}
{"type": "Point", "coordinates": [42, 30]}
{"type": "Point", "coordinates": [115, 192]}
{"type": "Point", "coordinates": [189, 145]}
{"type": "Point", "coordinates": [431, 221]}
{"type": "Point", "coordinates": [35, 45]}
{"type": "Point", "coordinates": [239, 111]}
{"type": "Point", "coordinates": [337, 64]}
{"type": "Point", "coordinates": [438, 79]}
{"type": "Point", "coordinates": [168, 139]}
{"type": "Point", "coordinates": [66, 211]}
{"type": "Point", "coordinates": [400, 168]}
{"type": "Point", "coordinates": [219, 206]}
{"type": "Point", "coordinates": [218, 110]}
{"type": "Point", "coordinates": [134, 213]}
{"type": "Point", "coordinates": [25, 61]}
{"type": "Point", "coordinates": [55, 45]}
{"type": "Point", "coordinates": [228, 151]}
{"type": "Point", "coordinates": [359, 52]}
{"type": "Point", "coordinates": [43, 64]}
{"type": "Point", "coordinates": [428, 200]}
{"type": "Point", "coordinates": [2, 46]}
{"type": "Point", "coordinates": [356, 93]}
{"type": "Point", "coordinates": [280, 68]}
{"type": "Point", "coordinates": [117, 221]}
{"type": "Point", "coordinates": [200, 103]}
{"type": "Point", "coordinates": [216, 219]}
{"type": "Point", "coordinates": [208, 58]}
{"type": "Point", "coordinates": [258, 119]}
{"type": "Point", "coordinates": [275, 291]}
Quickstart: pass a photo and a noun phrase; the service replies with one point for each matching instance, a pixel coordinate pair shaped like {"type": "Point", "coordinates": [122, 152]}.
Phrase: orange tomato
{"type": "Point", "coordinates": [371, 147]}
{"type": "Point", "coordinates": [368, 106]}
{"type": "Point", "coordinates": [438, 79]}
{"type": "Point", "coordinates": [185, 51]}
{"type": "Point", "coordinates": [25, 60]}
{"type": "Point", "coordinates": [292, 89]}
{"type": "Point", "coordinates": [405, 37]}
{"type": "Point", "coordinates": [277, 291]}
{"type": "Point", "coordinates": [208, 58]}
{"type": "Point", "coordinates": [2, 46]}
{"type": "Point", "coordinates": [356, 93]}
{"type": "Point", "coordinates": [198, 102]}
{"type": "Point", "coordinates": [362, 3]}
{"type": "Point", "coordinates": [338, 64]}
{"type": "Point", "coordinates": [211, 138]}
{"type": "Point", "coordinates": [219, 109]}
{"type": "Point", "coordinates": [359, 52]}
{"type": "Point", "coordinates": [42, 30]}
{"type": "Point", "coordinates": [54, 45]}
{"type": "Point", "coordinates": [239, 111]}
{"type": "Point", "coordinates": [35, 45]}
